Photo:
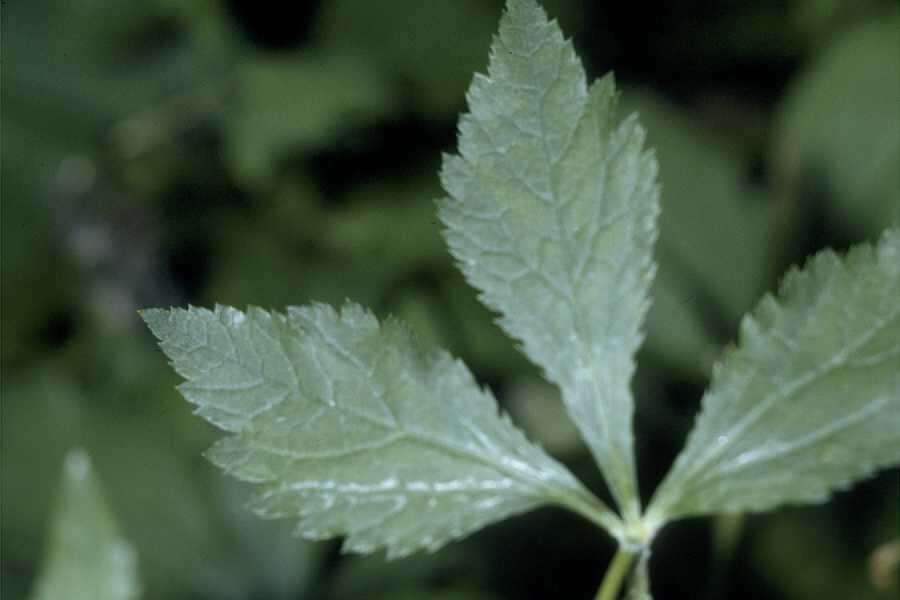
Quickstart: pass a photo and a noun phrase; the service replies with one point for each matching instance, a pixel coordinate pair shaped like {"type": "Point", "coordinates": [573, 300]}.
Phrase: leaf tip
{"type": "Point", "coordinates": [77, 466]}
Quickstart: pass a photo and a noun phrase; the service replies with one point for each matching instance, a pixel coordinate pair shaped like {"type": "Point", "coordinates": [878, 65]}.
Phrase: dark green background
{"type": "Point", "coordinates": [164, 152]}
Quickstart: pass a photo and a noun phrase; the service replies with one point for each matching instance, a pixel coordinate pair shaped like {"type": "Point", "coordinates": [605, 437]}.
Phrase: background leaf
{"type": "Point", "coordinates": [432, 50]}
{"type": "Point", "coordinates": [352, 427]}
{"type": "Point", "coordinates": [118, 404]}
{"type": "Point", "coordinates": [854, 87]}
{"type": "Point", "coordinates": [88, 558]}
{"type": "Point", "coordinates": [551, 215]}
{"type": "Point", "coordinates": [810, 400]}
{"type": "Point", "coordinates": [791, 536]}
{"type": "Point", "coordinates": [699, 296]}
{"type": "Point", "coordinates": [297, 103]}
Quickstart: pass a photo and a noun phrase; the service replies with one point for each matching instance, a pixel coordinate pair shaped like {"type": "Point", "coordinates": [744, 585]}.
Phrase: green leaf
{"type": "Point", "coordinates": [282, 566]}
{"type": "Point", "coordinates": [839, 126]}
{"type": "Point", "coordinates": [171, 511]}
{"type": "Point", "coordinates": [297, 103]}
{"type": "Point", "coordinates": [789, 538]}
{"type": "Point", "coordinates": [809, 401]}
{"type": "Point", "coordinates": [432, 47]}
{"type": "Point", "coordinates": [354, 428]}
{"type": "Point", "coordinates": [551, 215]}
{"type": "Point", "coordinates": [88, 558]}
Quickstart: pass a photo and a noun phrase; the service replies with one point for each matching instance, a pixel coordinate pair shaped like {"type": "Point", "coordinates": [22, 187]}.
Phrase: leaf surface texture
{"type": "Point", "coordinates": [809, 401]}
{"type": "Point", "coordinates": [551, 213]}
{"type": "Point", "coordinates": [354, 428]}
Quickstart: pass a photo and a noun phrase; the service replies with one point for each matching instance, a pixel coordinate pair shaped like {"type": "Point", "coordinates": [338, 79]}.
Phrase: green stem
{"type": "Point", "coordinates": [615, 575]}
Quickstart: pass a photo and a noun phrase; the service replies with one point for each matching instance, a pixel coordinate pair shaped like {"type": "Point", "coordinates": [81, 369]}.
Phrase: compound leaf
{"type": "Point", "coordinates": [352, 427]}
{"type": "Point", "coordinates": [551, 214]}
{"type": "Point", "coordinates": [88, 558]}
{"type": "Point", "coordinates": [809, 401]}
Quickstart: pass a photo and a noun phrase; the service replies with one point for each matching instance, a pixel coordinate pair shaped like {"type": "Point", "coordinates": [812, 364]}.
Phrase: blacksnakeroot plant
{"type": "Point", "coordinates": [350, 426]}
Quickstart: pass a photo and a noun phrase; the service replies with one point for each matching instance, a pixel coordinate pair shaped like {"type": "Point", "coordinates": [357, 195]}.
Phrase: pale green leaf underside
{"type": "Point", "coordinates": [551, 215]}
{"type": "Point", "coordinates": [809, 401]}
{"type": "Point", "coordinates": [87, 559]}
{"type": "Point", "coordinates": [352, 427]}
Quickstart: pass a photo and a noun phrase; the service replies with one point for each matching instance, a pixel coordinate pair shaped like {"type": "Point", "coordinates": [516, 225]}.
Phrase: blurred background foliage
{"type": "Point", "coordinates": [166, 152]}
